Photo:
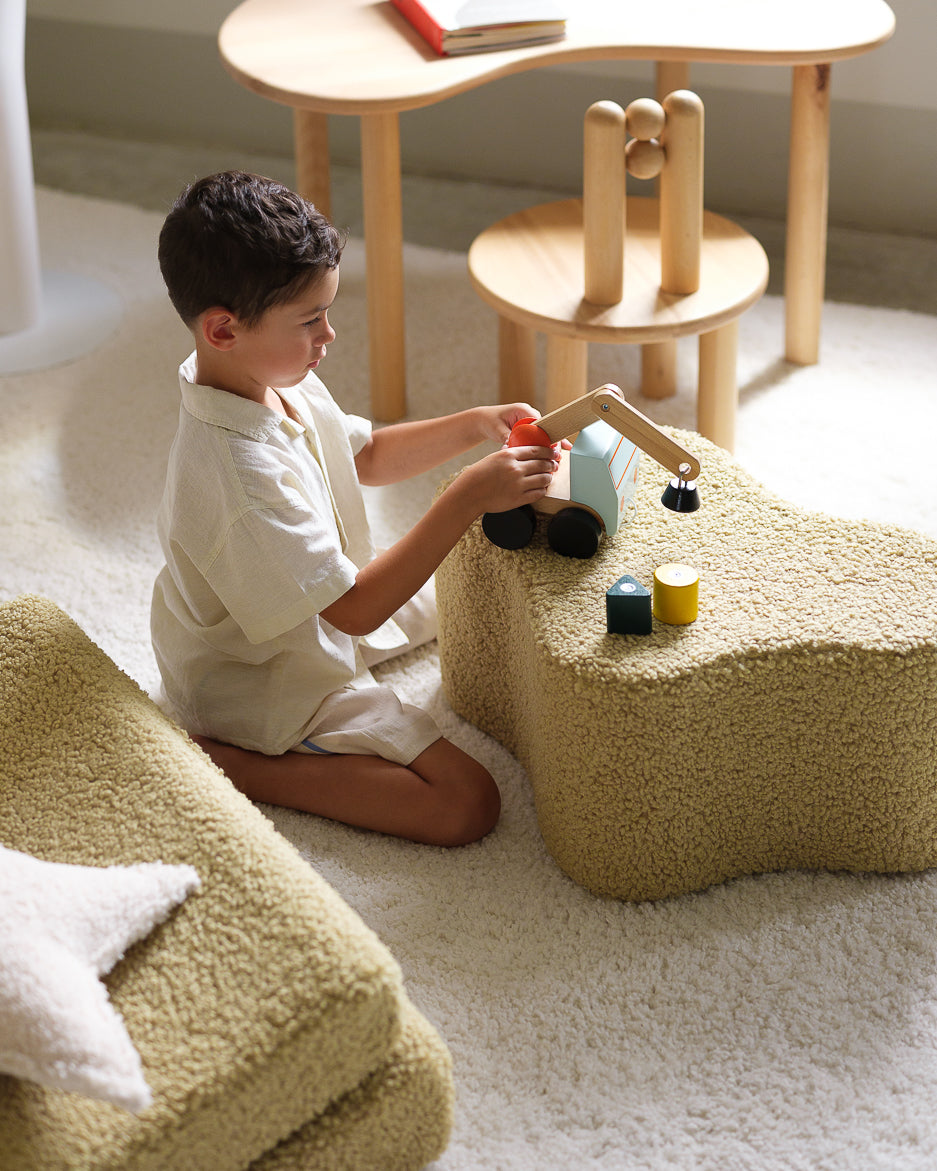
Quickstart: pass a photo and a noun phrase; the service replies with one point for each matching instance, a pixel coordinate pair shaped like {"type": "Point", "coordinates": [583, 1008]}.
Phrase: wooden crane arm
{"type": "Point", "coordinates": [608, 403]}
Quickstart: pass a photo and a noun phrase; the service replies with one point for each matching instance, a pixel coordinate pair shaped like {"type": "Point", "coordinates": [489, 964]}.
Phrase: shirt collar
{"type": "Point", "coordinates": [221, 408]}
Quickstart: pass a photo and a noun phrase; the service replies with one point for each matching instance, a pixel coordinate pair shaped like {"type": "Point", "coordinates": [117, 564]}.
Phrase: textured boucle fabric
{"type": "Point", "coordinates": [793, 725]}
{"type": "Point", "coordinates": [391, 1121]}
{"type": "Point", "coordinates": [264, 1010]}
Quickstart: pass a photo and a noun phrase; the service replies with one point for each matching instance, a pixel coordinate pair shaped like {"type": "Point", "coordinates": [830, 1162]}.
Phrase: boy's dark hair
{"type": "Point", "coordinates": [244, 243]}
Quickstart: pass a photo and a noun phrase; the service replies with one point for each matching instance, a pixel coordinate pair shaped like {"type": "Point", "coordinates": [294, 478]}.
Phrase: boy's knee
{"type": "Point", "coordinates": [471, 810]}
{"type": "Point", "coordinates": [463, 802]}
{"type": "Point", "coordinates": [485, 809]}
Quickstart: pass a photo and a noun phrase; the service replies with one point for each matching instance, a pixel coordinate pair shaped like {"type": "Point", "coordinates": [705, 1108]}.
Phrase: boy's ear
{"type": "Point", "coordinates": [218, 327]}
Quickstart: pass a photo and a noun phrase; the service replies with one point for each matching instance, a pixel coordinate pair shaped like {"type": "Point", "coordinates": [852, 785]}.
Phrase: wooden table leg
{"type": "Point", "coordinates": [807, 206]}
{"type": "Point", "coordinates": [311, 154]}
{"type": "Point", "coordinates": [717, 402]}
{"type": "Point", "coordinates": [671, 75]}
{"type": "Point", "coordinates": [383, 241]}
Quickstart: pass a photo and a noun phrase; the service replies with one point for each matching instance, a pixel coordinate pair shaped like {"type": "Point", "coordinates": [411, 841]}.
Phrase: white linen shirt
{"type": "Point", "coordinates": [262, 525]}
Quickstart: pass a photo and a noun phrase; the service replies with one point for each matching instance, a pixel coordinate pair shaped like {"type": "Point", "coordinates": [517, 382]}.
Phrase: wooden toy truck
{"type": "Point", "coordinates": [594, 486]}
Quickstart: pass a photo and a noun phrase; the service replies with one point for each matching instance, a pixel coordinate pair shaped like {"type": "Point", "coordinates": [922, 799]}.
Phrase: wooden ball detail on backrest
{"type": "Point", "coordinates": [644, 158]}
{"type": "Point", "coordinates": [645, 119]}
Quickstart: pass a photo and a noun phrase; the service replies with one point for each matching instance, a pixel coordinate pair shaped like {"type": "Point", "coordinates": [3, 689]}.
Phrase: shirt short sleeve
{"type": "Point", "coordinates": [358, 430]}
{"type": "Point", "coordinates": [277, 568]}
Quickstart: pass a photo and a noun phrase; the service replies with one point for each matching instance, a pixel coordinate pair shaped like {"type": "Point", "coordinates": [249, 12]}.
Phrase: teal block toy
{"type": "Point", "coordinates": [628, 607]}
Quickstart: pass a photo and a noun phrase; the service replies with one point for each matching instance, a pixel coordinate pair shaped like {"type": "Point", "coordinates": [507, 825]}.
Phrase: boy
{"type": "Point", "coordinates": [271, 581]}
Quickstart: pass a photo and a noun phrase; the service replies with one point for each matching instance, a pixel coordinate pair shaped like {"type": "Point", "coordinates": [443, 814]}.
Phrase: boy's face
{"type": "Point", "coordinates": [290, 339]}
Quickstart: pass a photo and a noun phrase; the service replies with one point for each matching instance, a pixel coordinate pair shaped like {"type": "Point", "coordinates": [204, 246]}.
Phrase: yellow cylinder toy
{"type": "Point", "coordinates": [676, 594]}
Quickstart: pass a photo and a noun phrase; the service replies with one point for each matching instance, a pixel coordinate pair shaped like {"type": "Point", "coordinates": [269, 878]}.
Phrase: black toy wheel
{"type": "Point", "coordinates": [574, 533]}
{"type": "Point", "coordinates": [512, 529]}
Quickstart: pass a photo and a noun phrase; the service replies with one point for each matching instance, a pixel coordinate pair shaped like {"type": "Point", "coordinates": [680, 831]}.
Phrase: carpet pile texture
{"type": "Point", "coordinates": [787, 1021]}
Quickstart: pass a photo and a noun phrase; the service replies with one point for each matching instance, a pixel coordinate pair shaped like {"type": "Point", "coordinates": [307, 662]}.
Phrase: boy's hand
{"type": "Point", "coordinates": [507, 479]}
{"type": "Point", "coordinates": [497, 421]}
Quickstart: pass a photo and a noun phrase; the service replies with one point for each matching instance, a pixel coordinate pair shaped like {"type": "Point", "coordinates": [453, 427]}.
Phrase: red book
{"type": "Point", "coordinates": [475, 26]}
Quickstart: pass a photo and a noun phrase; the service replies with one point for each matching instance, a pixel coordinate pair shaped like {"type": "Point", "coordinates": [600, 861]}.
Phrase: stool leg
{"type": "Point", "coordinates": [383, 243]}
{"type": "Point", "coordinates": [311, 154]}
{"type": "Point", "coordinates": [567, 370]}
{"type": "Point", "coordinates": [807, 199]}
{"type": "Point", "coordinates": [517, 362]}
{"type": "Point", "coordinates": [717, 400]}
{"type": "Point", "coordinates": [659, 369]}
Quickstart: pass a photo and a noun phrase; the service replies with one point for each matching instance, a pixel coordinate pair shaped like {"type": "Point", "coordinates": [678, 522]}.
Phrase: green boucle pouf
{"type": "Point", "coordinates": [793, 725]}
{"type": "Point", "coordinates": [272, 1024]}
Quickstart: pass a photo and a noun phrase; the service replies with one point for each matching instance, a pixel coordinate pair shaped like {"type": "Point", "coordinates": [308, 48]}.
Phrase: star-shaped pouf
{"type": "Point", "coordinates": [62, 928]}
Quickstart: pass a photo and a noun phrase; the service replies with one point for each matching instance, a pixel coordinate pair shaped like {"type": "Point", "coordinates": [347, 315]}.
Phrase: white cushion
{"type": "Point", "coordinates": [62, 927]}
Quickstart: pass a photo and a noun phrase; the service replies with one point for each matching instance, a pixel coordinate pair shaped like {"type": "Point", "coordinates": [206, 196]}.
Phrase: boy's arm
{"type": "Point", "coordinates": [403, 450]}
{"type": "Point", "coordinates": [506, 479]}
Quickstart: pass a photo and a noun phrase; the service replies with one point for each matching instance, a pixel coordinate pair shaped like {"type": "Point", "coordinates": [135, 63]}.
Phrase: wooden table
{"type": "Point", "coordinates": [360, 57]}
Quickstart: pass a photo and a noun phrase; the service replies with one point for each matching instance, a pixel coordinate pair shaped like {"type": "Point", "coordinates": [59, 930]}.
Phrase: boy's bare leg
{"type": "Point", "coordinates": [443, 798]}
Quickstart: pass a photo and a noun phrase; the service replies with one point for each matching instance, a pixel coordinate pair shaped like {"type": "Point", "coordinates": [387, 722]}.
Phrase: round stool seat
{"type": "Point", "coordinates": [529, 267]}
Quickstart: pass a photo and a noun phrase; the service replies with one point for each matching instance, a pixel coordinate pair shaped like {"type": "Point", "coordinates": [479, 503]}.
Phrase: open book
{"type": "Point", "coordinates": [474, 26]}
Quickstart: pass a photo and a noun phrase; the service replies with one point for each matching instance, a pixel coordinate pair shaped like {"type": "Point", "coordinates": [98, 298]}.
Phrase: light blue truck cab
{"type": "Point", "coordinates": [603, 473]}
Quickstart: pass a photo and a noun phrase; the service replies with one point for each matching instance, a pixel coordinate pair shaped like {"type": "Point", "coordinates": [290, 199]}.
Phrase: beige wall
{"type": "Point", "coordinates": [125, 68]}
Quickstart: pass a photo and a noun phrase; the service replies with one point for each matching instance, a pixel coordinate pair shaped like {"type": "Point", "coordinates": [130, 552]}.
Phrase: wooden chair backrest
{"type": "Point", "coordinates": [666, 139]}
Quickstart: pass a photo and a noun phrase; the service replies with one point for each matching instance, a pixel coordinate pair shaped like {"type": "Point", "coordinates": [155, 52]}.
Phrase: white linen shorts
{"type": "Point", "coordinates": [369, 719]}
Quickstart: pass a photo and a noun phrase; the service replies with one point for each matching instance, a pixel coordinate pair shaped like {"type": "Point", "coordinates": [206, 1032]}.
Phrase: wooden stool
{"type": "Point", "coordinates": [607, 268]}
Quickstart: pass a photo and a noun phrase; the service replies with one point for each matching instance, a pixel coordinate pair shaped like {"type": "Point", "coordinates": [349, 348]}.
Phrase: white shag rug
{"type": "Point", "coordinates": [778, 1022]}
